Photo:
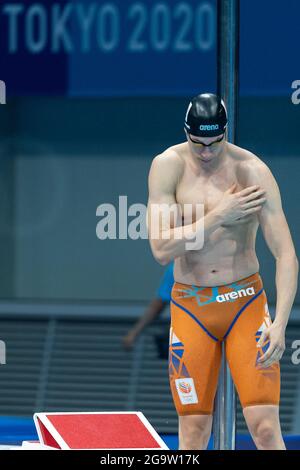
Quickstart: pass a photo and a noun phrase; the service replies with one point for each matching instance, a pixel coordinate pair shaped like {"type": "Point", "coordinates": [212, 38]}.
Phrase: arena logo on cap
{"type": "Point", "coordinates": [211, 127]}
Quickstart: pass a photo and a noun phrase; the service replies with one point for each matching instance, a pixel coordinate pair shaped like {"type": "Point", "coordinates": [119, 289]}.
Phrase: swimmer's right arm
{"type": "Point", "coordinates": [167, 238]}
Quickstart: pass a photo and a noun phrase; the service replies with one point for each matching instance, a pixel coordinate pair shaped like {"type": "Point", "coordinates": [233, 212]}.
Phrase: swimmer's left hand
{"type": "Point", "coordinates": [276, 335]}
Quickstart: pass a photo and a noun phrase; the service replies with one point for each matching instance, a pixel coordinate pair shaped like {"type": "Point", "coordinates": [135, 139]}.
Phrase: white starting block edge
{"type": "Point", "coordinates": [30, 445]}
{"type": "Point", "coordinates": [42, 417]}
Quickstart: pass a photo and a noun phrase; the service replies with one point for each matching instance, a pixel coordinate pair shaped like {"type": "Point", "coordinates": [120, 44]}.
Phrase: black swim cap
{"type": "Point", "coordinates": [206, 116]}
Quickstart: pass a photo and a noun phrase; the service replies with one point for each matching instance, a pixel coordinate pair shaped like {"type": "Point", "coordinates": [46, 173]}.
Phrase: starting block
{"type": "Point", "coordinates": [34, 445]}
{"type": "Point", "coordinates": [96, 430]}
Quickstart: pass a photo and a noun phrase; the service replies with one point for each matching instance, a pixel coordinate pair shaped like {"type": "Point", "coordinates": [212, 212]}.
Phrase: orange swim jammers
{"type": "Point", "coordinates": [203, 317]}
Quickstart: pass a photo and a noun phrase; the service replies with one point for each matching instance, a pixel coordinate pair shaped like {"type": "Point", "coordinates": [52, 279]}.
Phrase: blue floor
{"type": "Point", "coordinates": [16, 430]}
{"type": "Point", "coordinates": [243, 442]}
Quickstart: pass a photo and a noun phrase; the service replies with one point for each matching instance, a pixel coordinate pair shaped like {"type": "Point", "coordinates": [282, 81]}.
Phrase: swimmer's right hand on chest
{"type": "Point", "coordinates": [235, 206]}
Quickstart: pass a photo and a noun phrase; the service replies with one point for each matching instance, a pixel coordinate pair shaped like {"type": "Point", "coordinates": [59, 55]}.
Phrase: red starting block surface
{"type": "Point", "coordinates": [97, 430]}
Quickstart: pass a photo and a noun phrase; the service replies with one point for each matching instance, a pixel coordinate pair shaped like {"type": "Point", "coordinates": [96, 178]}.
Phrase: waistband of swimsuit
{"type": "Point", "coordinates": [254, 278]}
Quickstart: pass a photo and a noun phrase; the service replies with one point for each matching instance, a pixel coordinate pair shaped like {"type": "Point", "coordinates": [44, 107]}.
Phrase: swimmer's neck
{"type": "Point", "coordinates": [200, 165]}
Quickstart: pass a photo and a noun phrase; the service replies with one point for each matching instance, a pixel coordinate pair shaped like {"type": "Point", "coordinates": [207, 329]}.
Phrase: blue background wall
{"type": "Point", "coordinates": [61, 157]}
{"type": "Point", "coordinates": [65, 160]}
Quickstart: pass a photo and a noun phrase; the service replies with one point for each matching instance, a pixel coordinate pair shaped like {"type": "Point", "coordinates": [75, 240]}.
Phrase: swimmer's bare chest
{"type": "Point", "coordinates": [229, 253]}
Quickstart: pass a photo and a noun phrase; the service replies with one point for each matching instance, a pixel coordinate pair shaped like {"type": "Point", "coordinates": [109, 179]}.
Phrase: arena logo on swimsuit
{"type": "Point", "coordinates": [235, 295]}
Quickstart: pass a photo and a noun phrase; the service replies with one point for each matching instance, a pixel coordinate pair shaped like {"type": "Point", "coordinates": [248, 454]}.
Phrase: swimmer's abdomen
{"type": "Point", "coordinates": [228, 253]}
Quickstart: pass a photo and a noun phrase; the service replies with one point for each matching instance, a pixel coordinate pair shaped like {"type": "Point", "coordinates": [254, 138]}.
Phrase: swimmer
{"type": "Point", "coordinates": [218, 294]}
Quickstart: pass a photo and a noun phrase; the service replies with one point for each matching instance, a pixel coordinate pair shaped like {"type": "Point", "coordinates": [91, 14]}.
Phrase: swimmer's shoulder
{"type": "Point", "coordinates": [249, 163]}
{"type": "Point", "coordinates": [172, 156]}
{"type": "Point", "coordinates": [168, 165]}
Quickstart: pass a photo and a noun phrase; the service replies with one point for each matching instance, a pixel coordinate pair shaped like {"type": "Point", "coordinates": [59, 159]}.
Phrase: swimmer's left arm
{"type": "Point", "coordinates": [278, 238]}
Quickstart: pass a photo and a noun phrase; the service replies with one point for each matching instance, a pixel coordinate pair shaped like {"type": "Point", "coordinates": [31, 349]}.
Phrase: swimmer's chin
{"type": "Point", "coordinates": [205, 160]}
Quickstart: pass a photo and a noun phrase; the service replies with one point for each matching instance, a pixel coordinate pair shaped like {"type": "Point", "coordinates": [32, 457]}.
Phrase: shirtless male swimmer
{"type": "Point", "coordinates": [218, 293]}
